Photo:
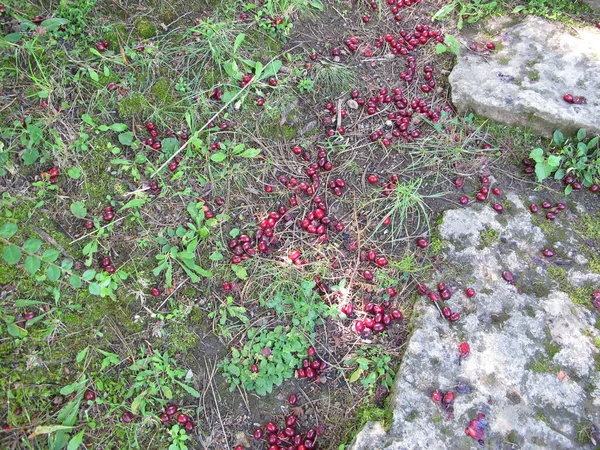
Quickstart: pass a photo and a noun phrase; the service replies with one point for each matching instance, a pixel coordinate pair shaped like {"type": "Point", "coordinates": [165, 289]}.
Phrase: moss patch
{"type": "Point", "coordinates": [145, 29]}
{"type": "Point", "coordinates": [132, 106]}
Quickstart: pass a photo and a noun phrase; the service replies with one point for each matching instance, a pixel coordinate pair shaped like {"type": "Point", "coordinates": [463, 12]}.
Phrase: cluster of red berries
{"type": "Point", "coordinates": [107, 265]}
{"type": "Point", "coordinates": [397, 5]}
{"type": "Point", "coordinates": [243, 247]}
{"type": "Point", "coordinates": [596, 300]}
{"type": "Point", "coordinates": [377, 319]}
{"type": "Point", "coordinates": [102, 46]}
{"type": "Point", "coordinates": [172, 414]}
{"type": "Point", "coordinates": [476, 428]}
{"type": "Point", "coordinates": [552, 210]}
{"type": "Point", "coordinates": [286, 437]}
{"type": "Point", "coordinates": [578, 100]}
{"type": "Point", "coordinates": [483, 193]}
{"type": "Point", "coordinates": [311, 366]}
{"type": "Point", "coordinates": [327, 121]}
{"type": "Point", "coordinates": [109, 214]}
{"type": "Point", "coordinates": [216, 94]}
{"type": "Point", "coordinates": [446, 400]}
{"type": "Point", "coordinates": [371, 256]}
{"type": "Point", "coordinates": [443, 294]}
{"type": "Point", "coordinates": [51, 175]}
{"type": "Point", "coordinates": [317, 221]}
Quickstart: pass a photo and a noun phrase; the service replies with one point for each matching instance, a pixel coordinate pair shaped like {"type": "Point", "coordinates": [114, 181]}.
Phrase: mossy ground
{"type": "Point", "coordinates": [166, 57]}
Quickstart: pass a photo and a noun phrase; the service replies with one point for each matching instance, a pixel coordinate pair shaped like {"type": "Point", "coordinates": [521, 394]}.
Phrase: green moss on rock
{"type": "Point", "coordinates": [132, 106]}
{"type": "Point", "coordinates": [145, 28]}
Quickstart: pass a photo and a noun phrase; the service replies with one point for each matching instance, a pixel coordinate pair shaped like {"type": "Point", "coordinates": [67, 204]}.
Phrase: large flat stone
{"type": "Point", "coordinates": [594, 4]}
{"type": "Point", "coordinates": [532, 368]}
{"type": "Point", "coordinates": [523, 82]}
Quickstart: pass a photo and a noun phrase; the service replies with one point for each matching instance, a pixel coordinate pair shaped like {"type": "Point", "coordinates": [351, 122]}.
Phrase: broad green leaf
{"type": "Point", "coordinates": [13, 37]}
{"type": "Point", "coordinates": [74, 172]}
{"type": "Point", "coordinates": [32, 264]}
{"type": "Point", "coordinates": [75, 281]}
{"type": "Point", "coordinates": [53, 273]}
{"type": "Point", "coordinates": [553, 161]}
{"type": "Point", "coordinates": [169, 145]}
{"type": "Point", "coordinates": [15, 330]}
{"type": "Point", "coordinates": [95, 289]}
{"type": "Point", "coordinates": [126, 138]}
{"type": "Point", "coordinates": [8, 230]}
{"type": "Point", "coordinates": [32, 245]}
{"type": "Point", "coordinates": [11, 254]}
{"type": "Point", "coordinates": [218, 157]}
{"type": "Point", "coordinates": [272, 69]}
{"type": "Point", "coordinates": [54, 23]}
{"type": "Point", "coordinates": [93, 74]}
{"type": "Point", "coordinates": [76, 441]}
{"type": "Point", "coordinates": [581, 134]}
{"type": "Point", "coordinates": [558, 138]}
{"type": "Point", "coordinates": [50, 255]}
{"type": "Point", "coordinates": [250, 153]}
{"type": "Point", "coordinates": [240, 271]}
{"type": "Point", "coordinates": [537, 154]}
{"type": "Point", "coordinates": [30, 156]}
{"type": "Point", "coordinates": [79, 210]}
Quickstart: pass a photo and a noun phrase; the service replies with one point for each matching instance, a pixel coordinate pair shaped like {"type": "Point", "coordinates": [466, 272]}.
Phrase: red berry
{"type": "Point", "coordinates": [90, 395]}
{"type": "Point", "coordinates": [470, 292]}
{"type": "Point", "coordinates": [464, 349]}
{"type": "Point", "coordinates": [422, 243]}
{"type": "Point", "coordinates": [155, 292]}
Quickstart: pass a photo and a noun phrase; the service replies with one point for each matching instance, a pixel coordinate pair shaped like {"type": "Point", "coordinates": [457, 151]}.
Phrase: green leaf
{"type": "Point", "coordinates": [32, 245]}
{"type": "Point", "coordinates": [581, 134]}
{"type": "Point", "coordinates": [553, 161]}
{"type": "Point", "coordinates": [558, 138]}
{"type": "Point", "coordinates": [95, 289]}
{"type": "Point", "coordinates": [93, 74]}
{"type": "Point", "coordinates": [11, 254]}
{"type": "Point", "coordinates": [30, 156]}
{"type": "Point", "coordinates": [190, 390]}
{"type": "Point", "coordinates": [126, 138]}
{"type": "Point", "coordinates": [15, 330]}
{"type": "Point", "coordinates": [250, 153]}
{"type": "Point", "coordinates": [22, 303]}
{"type": "Point", "coordinates": [258, 68]}
{"type": "Point", "coordinates": [82, 354]}
{"type": "Point", "coordinates": [74, 172]}
{"type": "Point", "coordinates": [75, 281]}
{"type": "Point", "coordinates": [568, 189]}
{"type": "Point", "coordinates": [238, 41]}
{"type": "Point", "coordinates": [54, 23]}
{"type": "Point", "coordinates": [32, 264]}
{"type": "Point", "coordinates": [76, 441]}
{"type": "Point", "coordinates": [8, 230]}
{"type": "Point", "coordinates": [53, 273]}
{"type": "Point", "coordinates": [79, 210]}
{"type": "Point", "coordinates": [50, 255]}
{"type": "Point", "coordinates": [537, 154]}
{"type": "Point", "coordinates": [271, 70]}
{"type": "Point", "coordinates": [89, 275]}
{"type": "Point", "coordinates": [443, 12]}
{"type": "Point", "coordinates": [240, 271]}
{"type": "Point", "coordinates": [218, 157]}
{"type": "Point", "coordinates": [13, 37]}
{"type": "Point", "coordinates": [169, 145]}
{"type": "Point", "coordinates": [135, 203]}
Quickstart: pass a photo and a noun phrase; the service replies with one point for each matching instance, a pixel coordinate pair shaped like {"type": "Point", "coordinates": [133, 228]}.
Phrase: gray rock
{"type": "Point", "coordinates": [531, 370]}
{"type": "Point", "coordinates": [594, 4]}
{"type": "Point", "coordinates": [523, 82]}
